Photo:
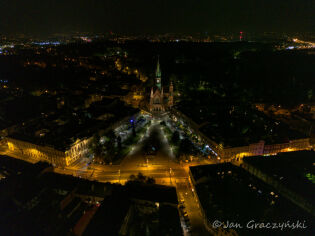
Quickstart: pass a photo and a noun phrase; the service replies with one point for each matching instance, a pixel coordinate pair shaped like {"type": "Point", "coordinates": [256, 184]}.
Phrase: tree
{"type": "Point", "coordinates": [103, 146]}
{"type": "Point", "coordinates": [109, 149]}
{"type": "Point", "coordinates": [133, 129]}
{"type": "Point", "coordinates": [111, 136]}
{"type": "Point", "coordinates": [140, 178]}
{"type": "Point", "coordinates": [163, 123]}
{"type": "Point", "coordinates": [185, 147]}
{"type": "Point", "coordinates": [132, 178]}
{"type": "Point", "coordinates": [119, 142]}
{"type": "Point", "coordinates": [95, 146]}
{"type": "Point", "coordinates": [175, 137]}
{"type": "Point", "coordinates": [150, 180]}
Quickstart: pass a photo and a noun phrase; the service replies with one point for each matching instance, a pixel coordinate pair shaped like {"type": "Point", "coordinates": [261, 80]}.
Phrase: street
{"type": "Point", "coordinates": [160, 165]}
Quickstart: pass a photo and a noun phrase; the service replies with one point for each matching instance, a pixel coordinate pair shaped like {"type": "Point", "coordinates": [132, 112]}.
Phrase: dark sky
{"type": "Point", "coordinates": [155, 16]}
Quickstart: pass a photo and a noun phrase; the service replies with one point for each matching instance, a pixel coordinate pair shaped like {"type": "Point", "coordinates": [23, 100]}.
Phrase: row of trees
{"type": "Point", "coordinates": [140, 178]}
{"type": "Point", "coordinates": [184, 147]}
{"type": "Point", "coordinates": [105, 146]}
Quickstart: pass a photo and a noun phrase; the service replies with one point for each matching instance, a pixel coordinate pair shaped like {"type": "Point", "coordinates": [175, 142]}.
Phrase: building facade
{"type": "Point", "coordinates": [160, 99]}
{"type": "Point", "coordinates": [77, 150]}
{"type": "Point", "coordinates": [237, 153]}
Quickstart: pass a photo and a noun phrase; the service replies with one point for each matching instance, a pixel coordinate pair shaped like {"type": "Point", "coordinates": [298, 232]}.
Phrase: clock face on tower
{"type": "Point", "coordinates": [158, 80]}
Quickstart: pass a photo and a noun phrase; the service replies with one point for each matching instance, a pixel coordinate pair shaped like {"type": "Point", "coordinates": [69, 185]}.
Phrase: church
{"type": "Point", "coordinates": [160, 99]}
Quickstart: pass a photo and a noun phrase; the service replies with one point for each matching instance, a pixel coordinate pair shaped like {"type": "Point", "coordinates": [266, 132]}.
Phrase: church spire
{"type": "Point", "coordinates": [158, 74]}
{"type": "Point", "coordinates": [158, 69]}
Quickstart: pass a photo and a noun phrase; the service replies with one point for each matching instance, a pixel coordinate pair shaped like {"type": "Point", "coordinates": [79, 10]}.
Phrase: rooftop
{"type": "Point", "coordinates": [18, 109]}
{"type": "Point", "coordinates": [153, 193]}
{"type": "Point", "coordinates": [295, 170]}
{"type": "Point", "coordinates": [38, 205]}
{"type": "Point", "coordinates": [83, 186]}
{"type": "Point", "coordinates": [12, 167]}
{"type": "Point", "coordinates": [237, 125]}
{"type": "Point", "coordinates": [60, 130]}
{"type": "Point", "coordinates": [228, 192]}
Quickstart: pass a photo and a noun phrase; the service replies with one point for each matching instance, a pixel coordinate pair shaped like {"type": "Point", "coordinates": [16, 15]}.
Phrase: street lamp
{"type": "Point", "coordinates": [170, 176]}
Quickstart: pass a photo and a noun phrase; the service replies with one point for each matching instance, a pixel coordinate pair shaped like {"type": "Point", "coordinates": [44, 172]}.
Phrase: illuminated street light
{"type": "Point", "coordinates": [170, 175]}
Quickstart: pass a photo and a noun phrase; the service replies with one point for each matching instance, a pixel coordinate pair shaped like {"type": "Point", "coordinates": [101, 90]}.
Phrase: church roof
{"type": "Point", "coordinates": [157, 91]}
{"type": "Point", "coordinates": [165, 89]}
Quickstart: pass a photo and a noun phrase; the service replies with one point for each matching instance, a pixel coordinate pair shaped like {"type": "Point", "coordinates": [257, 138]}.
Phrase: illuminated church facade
{"type": "Point", "coordinates": [160, 99]}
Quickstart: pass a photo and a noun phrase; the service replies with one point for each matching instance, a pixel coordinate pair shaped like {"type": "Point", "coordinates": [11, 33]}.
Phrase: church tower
{"type": "Point", "coordinates": [160, 101]}
{"type": "Point", "coordinates": [170, 96]}
{"type": "Point", "coordinates": [158, 75]}
{"type": "Point", "coordinates": [151, 98]}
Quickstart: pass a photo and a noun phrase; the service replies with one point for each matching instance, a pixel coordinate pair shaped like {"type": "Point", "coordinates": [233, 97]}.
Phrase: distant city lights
{"type": "Point", "coordinates": [46, 43]}
{"type": "Point", "coordinates": [86, 39]}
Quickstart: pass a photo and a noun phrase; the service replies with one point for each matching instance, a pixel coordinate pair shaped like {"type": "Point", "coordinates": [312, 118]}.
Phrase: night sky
{"type": "Point", "coordinates": [155, 16]}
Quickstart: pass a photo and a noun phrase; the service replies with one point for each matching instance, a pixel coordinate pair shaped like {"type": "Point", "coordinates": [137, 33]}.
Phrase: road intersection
{"type": "Point", "coordinates": [162, 166]}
